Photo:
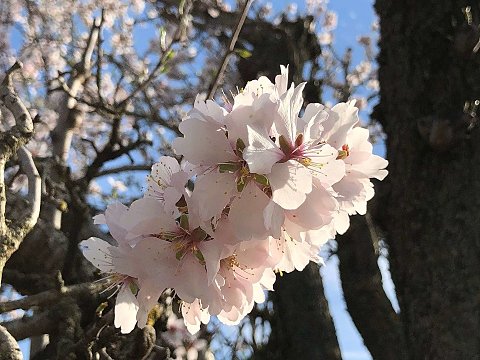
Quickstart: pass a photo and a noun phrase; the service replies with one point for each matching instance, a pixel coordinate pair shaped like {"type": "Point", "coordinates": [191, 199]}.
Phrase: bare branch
{"type": "Point", "coordinates": [155, 116]}
{"type": "Point", "coordinates": [100, 59]}
{"type": "Point", "coordinates": [10, 142]}
{"type": "Point", "coordinates": [108, 154]}
{"type": "Point", "coordinates": [166, 55]}
{"type": "Point", "coordinates": [125, 168]}
{"type": "Point", "coordinates": [34, 189]}
{"type": "Point", "coordinates": [28, 326]}
{"type": "Point", "coordinates": [67, 122]}
{"type": "Point", "coordinates": [52, 296]}
{"type": "Point", "coordinates": [230, 51]}
{"type": "Point", "coordinates": [9, 349]}
{"type": "Point", "coordinates": [8, 95]}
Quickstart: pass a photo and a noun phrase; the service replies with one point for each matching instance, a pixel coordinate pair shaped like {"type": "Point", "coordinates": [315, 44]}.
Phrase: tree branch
{"type": "Point", "coordinates": [230, 51]}
{"type": "Point", "coordinates": [369, 307]}
{"type": "Point", "coordinates": [125, 168]}
{"type": "Point", "coordinates": [34, 189]}
{"type": "Point", "coordinates": [10, 142]}
{"type": "Point", "coordinates": [63, 132]}
{"type": "Point", "coordinates": [28, 326]}
{"type": "Point", "coordinates": [29, 283]}
{"type": "Point", "coordinates": [51, 296]}
{"type": "Point", "coordinates": [301, 321]}
{"type": "Point", "coordinates": [9, 349]}
{"type": "Point", "coordinates": [92, 333]}
{"type": "Point", "coordinates": [9, 97]}
{"type": "Point", "coordinates": [166, 55]}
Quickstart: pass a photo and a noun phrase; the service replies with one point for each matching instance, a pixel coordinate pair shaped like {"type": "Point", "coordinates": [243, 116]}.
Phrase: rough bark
{"type": "Point", "coordinates": [427, 70]}
{"type": "Point", "coordinates": [9, 349]}
{"type": "Point", "coordinates": [12, 140]}
{"type": "Point", "coordinates": [367, 304]}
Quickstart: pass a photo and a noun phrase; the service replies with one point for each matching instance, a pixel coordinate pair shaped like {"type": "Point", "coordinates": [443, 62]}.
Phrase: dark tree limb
{"type": "Point", "coordinates": [28, 326]}
{"type": "Point", "coordinates": [28, 284]}
{"type": "Point", "coordinates": [369, 307]}
{"type": "Point", "coordinates": [301, 323]}
{"type": "Point", "coordinates": [49, 297]}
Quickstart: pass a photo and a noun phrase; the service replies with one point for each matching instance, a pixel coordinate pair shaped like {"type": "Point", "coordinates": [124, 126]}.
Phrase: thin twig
{"type": "Point", "coordinates": [230, 51]}
{"type": "Point", "coordinates": [100, 58]}
{"type": "Point", "coordinates": [125, 168]}
{"type": "Point", "coordinates": [165, 57]}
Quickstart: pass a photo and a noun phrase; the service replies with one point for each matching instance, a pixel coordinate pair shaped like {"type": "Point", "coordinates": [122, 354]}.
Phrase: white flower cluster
{"type": "Point", "coordinates": [271, 187]}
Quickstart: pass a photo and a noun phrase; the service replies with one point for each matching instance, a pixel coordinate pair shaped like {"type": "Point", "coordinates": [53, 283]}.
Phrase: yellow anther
{"type": "Point", "coordinates": [305, 161]}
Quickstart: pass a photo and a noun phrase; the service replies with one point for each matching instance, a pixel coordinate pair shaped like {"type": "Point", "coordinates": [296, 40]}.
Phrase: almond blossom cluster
{"type": "Point", "coordinates": [272, 184]}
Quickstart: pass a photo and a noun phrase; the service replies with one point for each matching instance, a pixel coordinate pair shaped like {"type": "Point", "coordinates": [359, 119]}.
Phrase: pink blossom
{"type": "Point", "coordinates": [166, 183]}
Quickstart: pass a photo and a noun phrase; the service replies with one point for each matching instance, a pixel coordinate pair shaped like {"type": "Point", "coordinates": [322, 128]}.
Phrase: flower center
{"type": "Point", "coordinates": [296, 151]}
{"type": "Point", "coordinates": [342, 154]}
{"type": "Point", "coordinates": [230, 262]}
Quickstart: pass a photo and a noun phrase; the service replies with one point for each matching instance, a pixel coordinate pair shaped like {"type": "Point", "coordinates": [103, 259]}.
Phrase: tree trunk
{"type": "Point", "coordinates": [427, 70]}
{"type": "Point", "coordinates": [301, 324]}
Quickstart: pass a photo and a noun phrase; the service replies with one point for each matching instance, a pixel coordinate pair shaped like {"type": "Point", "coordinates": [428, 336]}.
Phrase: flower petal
{"type": "Point", "coordinates": [212, 193]}
{"type": "Point", "coordinates": [261, 153]}
{"type": "Point", "coordinates": [246, 213]}
{"type": "Point", "coordinates": [98, 252]}
{"type": "Point", "coordinates": [126, 308]}
{"type": "Point", "coordinates": [290, 182]}
{"type": "Point", "coordinates": [203, 143]}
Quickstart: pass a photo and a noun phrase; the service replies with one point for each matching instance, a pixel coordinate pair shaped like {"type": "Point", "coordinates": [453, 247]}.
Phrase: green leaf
{"type": "Point", "coordinates": [199, 234]}
{"type": "Point", "coordinates": [184, 222]}
{"type": "Point", "coordinates": [261, 179]}
{"type": "Point", "coordinates": [133, 288]}
{"type": "Point", "coordinates": [179, 255]}
{"type": "Point", "coordinates": [228, 167]}
{"type": "Point", "coordinates": [241, 184]}
{"type": "Point", "coordinates": [199, 256]}
{"type": "Point", "coordinates": [243, 53]}
{"type": "Point", "coordinates": [170, 54]}
{"type": "Point", "coordinates": [240, 145]}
